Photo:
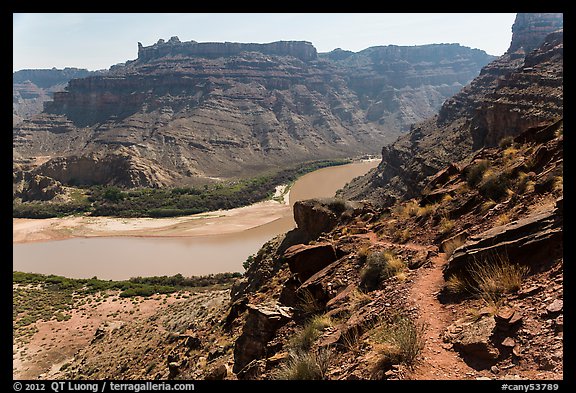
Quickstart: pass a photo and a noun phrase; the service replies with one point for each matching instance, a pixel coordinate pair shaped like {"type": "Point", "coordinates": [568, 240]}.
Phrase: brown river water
{"type": "Point", "coordinates": [119, 258]}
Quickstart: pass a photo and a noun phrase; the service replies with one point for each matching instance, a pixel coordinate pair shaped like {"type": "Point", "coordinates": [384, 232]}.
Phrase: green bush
{"type": "Point", "coordinates": [248, 262]}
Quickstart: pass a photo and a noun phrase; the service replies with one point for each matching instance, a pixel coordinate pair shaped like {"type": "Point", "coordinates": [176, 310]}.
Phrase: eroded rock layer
{"type": "Point", "coordinates": [511, 94]}
{"type": "Point", "coordinates": [204, 110]}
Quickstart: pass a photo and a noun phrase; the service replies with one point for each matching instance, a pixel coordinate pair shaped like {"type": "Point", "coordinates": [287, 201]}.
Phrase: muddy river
{"type": "Point", "coordinates": [119, 258]}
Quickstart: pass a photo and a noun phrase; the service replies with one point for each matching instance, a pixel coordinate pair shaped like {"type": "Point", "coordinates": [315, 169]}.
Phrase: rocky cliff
{"type": "Point", "coordinates": [31, 88]}
{"type": "Point", "coordinates": [511, 94]}
{"type": "Point", "coordinates": [205, 110]}
{"type": "Point", "coordinates": [302, 50]}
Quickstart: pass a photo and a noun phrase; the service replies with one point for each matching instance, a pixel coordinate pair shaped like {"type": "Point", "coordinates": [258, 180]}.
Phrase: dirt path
{"type": "Point", "coordinates": [438, 362]}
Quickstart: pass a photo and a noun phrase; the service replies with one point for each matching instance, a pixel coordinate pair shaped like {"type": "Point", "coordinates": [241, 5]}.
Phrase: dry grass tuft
{"type": "Point", "coordinates": [305, 366]}
{"type": "Point", "coordinates": [446, 225]}
{"type": "Point", "coordinates": [489, 279]}
{"type": "Point", "coordinates": [399, 341]}
{"type": "Point", "coordinates": [494, 277]}
{"type": "Point", "coordinates": [455, 285]}
{"type": "Point", "coordinates": [449, 246]}
{"type": "Point", "coordinates": [303, 340]}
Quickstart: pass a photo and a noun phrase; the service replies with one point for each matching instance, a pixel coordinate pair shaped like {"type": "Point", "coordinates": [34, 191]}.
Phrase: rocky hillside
{"type": "Point", "coordinates": [184, 112]}
{"type": "Point", "coordinates": [463, 282]}
{"type": "Point", "coordinates": [31, 88]}
{"type": "Point", "coordinates": [521, 89]}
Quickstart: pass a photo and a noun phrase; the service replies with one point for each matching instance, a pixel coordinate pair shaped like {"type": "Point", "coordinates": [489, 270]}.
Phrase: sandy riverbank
{"type": "Point", "coordinates": [212, 223]}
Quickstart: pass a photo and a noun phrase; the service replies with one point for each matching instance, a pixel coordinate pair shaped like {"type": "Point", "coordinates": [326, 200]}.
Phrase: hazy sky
{"type": "Point", "coordinates": [97, 41]}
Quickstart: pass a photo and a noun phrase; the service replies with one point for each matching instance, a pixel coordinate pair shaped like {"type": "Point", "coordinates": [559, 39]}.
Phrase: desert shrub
{"type": "Point", "coordinates": [488, 278]}
{"type": "Point", "coordinates": [455, 285]}
{"type": "Point", "coordinates": [487, 205]}
{"type": "Point", "coordinates": [308, 305]}
{"type": "Point", "coordinates": [402, 235]}
{"type": "Point", "coordinates": [449, 246]}
{"type": "Point", "coordinates": [248, 262]}
{"type": "Point", "coordinates": [380, 265]}
{"type": "Point", "coordinates": [502, 219]}
{"type": "Point", "coordinates": [363, 252]}
{"type": "Point", "coordinates": [475, 172]}
{"type": "Point", "coordinates": [445, 225]}
{"type": "Point", "coordinates": [113, 194]}
{"type": "Point", "coordinates": [494, 185]}
{"type": "Point", "coordinates": [524, 184]}
{"type": "Point", "coordinates": [505, 142]}
{"type": "Point", "coordinates": [406, 210]}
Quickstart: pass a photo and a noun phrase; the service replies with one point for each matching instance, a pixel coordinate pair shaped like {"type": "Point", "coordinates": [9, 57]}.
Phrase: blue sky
{"type": "Point", "coordinates": [97, 41]}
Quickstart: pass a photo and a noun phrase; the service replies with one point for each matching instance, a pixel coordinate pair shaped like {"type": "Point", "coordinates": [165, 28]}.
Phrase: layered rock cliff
{"type": "Point", "coordinates": [31, 88]}
{"type": "Point", "coordinates": [204, 110]}
{"type": "Point", "coordinates": [511, 94]}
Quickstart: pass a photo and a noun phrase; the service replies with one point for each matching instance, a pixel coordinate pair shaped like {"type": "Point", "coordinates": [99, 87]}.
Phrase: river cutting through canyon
{"type": "Point", "coordinates": [191, 246]}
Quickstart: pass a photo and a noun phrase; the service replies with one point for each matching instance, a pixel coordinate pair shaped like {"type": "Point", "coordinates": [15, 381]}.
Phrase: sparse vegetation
{"type": "Point", "coordinates": [430, 209]}
{"type": "Point", "coordinates": [524, 184]}
{"type": "Point", "coordinates": [305, 366]}
{"type": "Point", "coordinates": [406, 210]}
{"type": "Point", "coordinates": [502, 219]}
{"type": "Point", "coordinates": [402, 235]}
{"type": "Point", "coordinates": [380, 265]}
{"type": "Point", "coordinates": [363, 252]}
{"type": "Point", "coordinates": [496, 276]}
{"type": "Point", "coordinates": [449, 246]}
{"type": "Point", "coordinates": [494, 185]}
{"type": "Point", "coordinates": [248, 262]}
{"type": "Point", "coordinates": [137, 286]}
{"type": "Point", "coordinates": [475, 172]}
{"type": "Point", "coordinates": [456, 285]}
{"type": "Point", "coordinates": [351, 341]}
{"type": "Point", "coordinates": [399, 341]}
{"type": "Point", "coordinates": [308, 305]}
{"type": "Point", "coordinates": [489, 279]}
{"type": "Point", "coordinates": [487, 205]}
{"type": "Point", "coordinates": [303, 340]}
{"type": "Point", "coordinates": [505, 142]}
{"type": "Point", "coordinates": [445, 225]}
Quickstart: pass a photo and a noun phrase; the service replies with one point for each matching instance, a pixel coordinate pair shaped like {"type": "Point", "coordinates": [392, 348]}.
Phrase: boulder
{"type": "Point", "coordinates": [314, 218]}
{"type": "Point", "coordinates": [306, 260]}
{"type": "Point", "coordinates": [261, 324]}
{"type": "Point", "coordinates": [473, 338]}
{"type": "Point", "coordinates": [217, 373]}
{"type": "Point", "coordinates": [555, 307]}
{"type": "Point", "coordinates": [529, 241]}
